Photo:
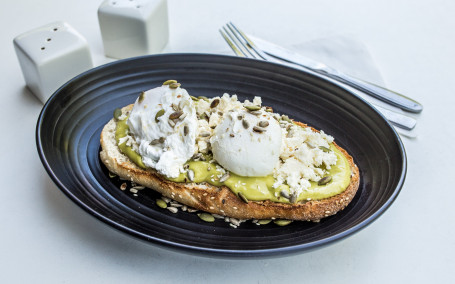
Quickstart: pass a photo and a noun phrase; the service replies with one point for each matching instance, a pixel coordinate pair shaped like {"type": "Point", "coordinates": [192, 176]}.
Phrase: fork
{"type": "Point", "coordinates": [391, 97]}
{"type": "Point", "coordinates": [244, 47]}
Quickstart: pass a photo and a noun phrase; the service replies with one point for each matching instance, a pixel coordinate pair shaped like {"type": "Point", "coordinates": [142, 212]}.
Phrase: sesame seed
{"type": "Point", "coordinates": [211, 207]}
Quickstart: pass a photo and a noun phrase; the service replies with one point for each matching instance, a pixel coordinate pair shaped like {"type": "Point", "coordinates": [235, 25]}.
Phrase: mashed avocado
{"type": "Point", "coordinates": [253, 188]}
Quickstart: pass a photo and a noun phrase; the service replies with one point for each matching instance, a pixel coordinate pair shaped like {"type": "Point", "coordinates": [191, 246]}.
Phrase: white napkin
{"type": "Point", "coordinates": [349, 56]}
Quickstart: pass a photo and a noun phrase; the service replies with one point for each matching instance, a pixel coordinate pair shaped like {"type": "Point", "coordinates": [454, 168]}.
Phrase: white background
{"type": "Point", "coordinates": [46, 238]}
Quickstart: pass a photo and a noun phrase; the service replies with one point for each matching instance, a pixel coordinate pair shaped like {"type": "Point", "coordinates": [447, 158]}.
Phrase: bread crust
{"type": "Point", "coordinates": [221, 200]}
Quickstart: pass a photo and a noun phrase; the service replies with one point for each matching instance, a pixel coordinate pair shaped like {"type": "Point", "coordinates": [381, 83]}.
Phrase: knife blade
{"type": "Point", "coordinates": [376, 91]}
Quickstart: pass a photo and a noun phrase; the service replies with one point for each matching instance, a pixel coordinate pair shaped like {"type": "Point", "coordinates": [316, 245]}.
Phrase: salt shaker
{"type": "Point", "coordinates": [51, 55]}
{"type": "Point", "coordinates": [133, 27]}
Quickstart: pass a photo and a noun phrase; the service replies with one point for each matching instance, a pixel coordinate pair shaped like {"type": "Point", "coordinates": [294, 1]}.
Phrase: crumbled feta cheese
{"type": "Point", "coordinates": [301, 157]}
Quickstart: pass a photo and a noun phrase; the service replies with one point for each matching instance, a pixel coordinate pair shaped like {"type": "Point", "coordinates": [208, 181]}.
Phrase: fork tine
{"type": "Point", "coordinates": [231, 44]}
{"type": "Point", "coordinates": [237, 43]}
{"type": "Point", "coordinates": [240, 41]}
{"type": "Point", "coordinates": [249, 43]}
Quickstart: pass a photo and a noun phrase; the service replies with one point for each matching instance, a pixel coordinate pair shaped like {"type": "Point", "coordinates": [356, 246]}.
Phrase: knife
{"type": "Point", "coordinates": [371, 89]}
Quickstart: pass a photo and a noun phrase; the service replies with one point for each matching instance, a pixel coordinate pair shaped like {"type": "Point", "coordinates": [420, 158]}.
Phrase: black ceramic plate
{"type": "Point", "coordinates": [70, 124]}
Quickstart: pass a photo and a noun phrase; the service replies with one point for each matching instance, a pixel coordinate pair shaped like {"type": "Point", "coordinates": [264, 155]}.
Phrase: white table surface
{"type": "Point", "coordinates": [46, 238]}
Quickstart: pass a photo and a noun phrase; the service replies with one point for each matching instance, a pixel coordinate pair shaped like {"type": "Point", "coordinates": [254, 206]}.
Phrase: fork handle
{"type": "Point", "coordinates": [378, 92]}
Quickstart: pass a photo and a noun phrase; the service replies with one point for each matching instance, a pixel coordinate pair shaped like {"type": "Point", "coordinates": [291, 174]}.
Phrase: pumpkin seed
{"type": "Point", "coordinates": [263, 123]}
{"type": "Point", "coordinates": [264, 221]}
{"type": "Point", "coordinates": [158, 114]}
{"type": "Point", "coordinates": [176, 114]}
{"type": "Point", "coordinates": [243, 197]}
{"type": "Point", "coordinates": [232, 135]}
{"type": "Point", "coordinates": [239, 117]}
{"type": "Point", "coordinates": [203, 98]}
{"type": "Point", "coordinates": [286, 118]}
{"type": "Point", "coordinates": [285, 194]}
{"type": "Point", "coordinates": [194, 98]}
{"type": "Point", "coordinates": [112, 175]}
{"type": "Point", "coordinates": [258, 129]}
{"type": "Point", "coordinates": [161, 140]}
{"type": "Point", "coordinates": [141, 97]}
{"type": "Point", "coordinates": [252, 108]}
{"type": "Point", "coordinates": [325, 180]}
{"type": "Point", "coordinates": [203, 116]}
{"type": "Point", "coordinates": [174, 107]}
{"type": "Point", "coordinates": [268, 109]}
{"type": "Point", "coordinates": [206, 217]}
{"type": "Point", "coordinates": [168, 82]}
{"type": "Point", "coordinates": [117, 113]}
{"type": "Point", "coordinates": [186, 129]}
{"type": "Point", "coordinates": [225, 177]}
{"type": "Point", "coordinates": [190, 175]}
{"type": "Point", "coordinates": [245, 124]}
{"type": "Point", "coordinates": [155, 142]}
{"type": "Point", "coordinates": [214, 103]}
{"type": "Point", "coordinates": [282, 222]}
{"type": "Point", "coordinates": [325, 149]}
{"type": "Point", "coordinates": [256, 112]}
{"type": "Point", "coordinates": [161, 203]}
{"type": "Point", "coordinates": [174, 85]}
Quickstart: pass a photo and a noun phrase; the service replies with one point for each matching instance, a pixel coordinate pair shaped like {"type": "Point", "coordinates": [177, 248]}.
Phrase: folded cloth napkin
{"type": "Point", "coordinates": [349, 56]}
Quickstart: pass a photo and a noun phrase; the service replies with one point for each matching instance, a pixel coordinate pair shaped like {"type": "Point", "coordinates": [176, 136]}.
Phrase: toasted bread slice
{"type": "Point", "coordinates": [221, 200]}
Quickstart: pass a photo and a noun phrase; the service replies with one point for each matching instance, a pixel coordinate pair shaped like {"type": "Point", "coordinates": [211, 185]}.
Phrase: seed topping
{"type": "Point", "coordinates": [141, 97]}
{"type": "Point", "coordinates": [258, 129]}
{"type": "Point", "coordinates": [325, 180]}
{"type": "Point", "coordinates": [263, 123]}
{"type": "Point", "coordinates": [117, 113]}
{"type": "Point", "coordinates": [206, 217]}
{"type": "Point", "coordinates": [252, 108]}
{"type": "Point", "coordinates": [215, 103]}
{"type": "Point", "coordinates": [158, 114]}
{"type": "Point", "coordinates": [174, 85]}
{"type": "Point", "coordinates": [176, 114]}
{"type": "Point", "coordinates": [245, 124]}
{"type": "Point", "coordinates": [168, 82]}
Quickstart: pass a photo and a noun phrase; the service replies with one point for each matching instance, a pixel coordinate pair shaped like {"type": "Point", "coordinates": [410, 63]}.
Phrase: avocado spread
{"type": "Point", "coordinates": [253, 188]}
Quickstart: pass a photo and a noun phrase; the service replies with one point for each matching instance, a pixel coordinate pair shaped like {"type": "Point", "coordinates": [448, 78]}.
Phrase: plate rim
{"type": "Point", "coordinates": [218, 252]}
